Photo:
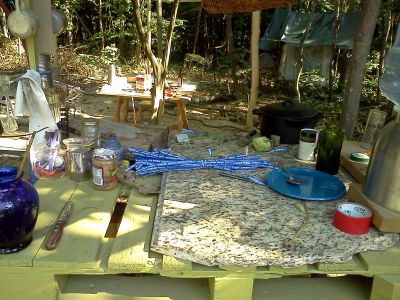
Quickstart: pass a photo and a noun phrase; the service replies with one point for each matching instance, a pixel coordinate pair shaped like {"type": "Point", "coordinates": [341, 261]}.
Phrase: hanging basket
{"type": "Point", "coordinates": [235, 6]}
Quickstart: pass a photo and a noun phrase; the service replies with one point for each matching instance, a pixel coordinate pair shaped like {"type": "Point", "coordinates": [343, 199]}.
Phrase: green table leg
{"type": "Point", "coordinates": [22, 284]}
{"type": "Point", "coordinates": [227, 288]}
{"type": "Point", "coordinates": [386, 287]}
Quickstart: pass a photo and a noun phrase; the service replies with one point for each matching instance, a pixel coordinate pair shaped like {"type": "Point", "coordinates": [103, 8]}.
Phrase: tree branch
{"type": "Point", "coordinates": [142, 35]}
{"type": "Point", "coordinates": [169, 38]}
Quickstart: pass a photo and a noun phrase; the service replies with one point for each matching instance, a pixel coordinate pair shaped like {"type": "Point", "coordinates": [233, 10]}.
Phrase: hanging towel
{"type": "Point", "coordinates": [31, 101]}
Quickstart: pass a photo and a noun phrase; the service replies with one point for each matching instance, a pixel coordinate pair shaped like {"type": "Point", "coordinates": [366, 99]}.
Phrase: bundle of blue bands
{"type": "Point", "coordinates": [159, 161]}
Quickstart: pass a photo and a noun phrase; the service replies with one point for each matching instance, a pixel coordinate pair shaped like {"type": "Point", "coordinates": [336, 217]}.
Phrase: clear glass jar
{"type": "Point", "coordinates": [90, 129]}
{"type": "Point", "coordinates": [78, 159]}
{"type": "Point", "coordinates": [49, 162]}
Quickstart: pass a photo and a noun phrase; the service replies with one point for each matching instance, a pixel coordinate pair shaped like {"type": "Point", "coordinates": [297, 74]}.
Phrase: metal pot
{"type": "Point", "coordinates": [22, 22]}
{"type": "Point", "coordinates": [286, 119]}
{"type": "Point", "coordinates": [382, 184]}
{"type": "Point", "coordinates": [58, 20]}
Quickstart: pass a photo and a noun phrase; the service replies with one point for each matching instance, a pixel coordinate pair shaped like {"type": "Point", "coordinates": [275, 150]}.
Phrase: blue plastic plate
{"type": "Point", "coordinates": [315, 185]}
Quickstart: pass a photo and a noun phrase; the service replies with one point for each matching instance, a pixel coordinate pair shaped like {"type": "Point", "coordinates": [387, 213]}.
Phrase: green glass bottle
{"type": "Point", "coordinates": [329, 146]}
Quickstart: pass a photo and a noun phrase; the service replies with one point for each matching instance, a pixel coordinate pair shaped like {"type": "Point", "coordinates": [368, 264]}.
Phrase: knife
{"type": "Point", "coordinates": [118, 212]}
{"type": "Point", "coordinates": [57, 231]}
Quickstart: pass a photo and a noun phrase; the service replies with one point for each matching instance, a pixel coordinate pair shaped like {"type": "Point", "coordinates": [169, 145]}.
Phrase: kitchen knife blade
{"type": "Point", "coordinates": [57, 231]}
{"type": "Point", "coordinates": [118, 212]}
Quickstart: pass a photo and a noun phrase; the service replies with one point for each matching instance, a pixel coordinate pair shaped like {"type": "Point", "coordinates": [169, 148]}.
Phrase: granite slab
{"type": "Point", "coordinates": [219, 221]}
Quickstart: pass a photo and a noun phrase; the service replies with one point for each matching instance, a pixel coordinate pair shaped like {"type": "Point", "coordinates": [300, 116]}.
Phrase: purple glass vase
{"type": "Point", "coordinates": [19, 207]}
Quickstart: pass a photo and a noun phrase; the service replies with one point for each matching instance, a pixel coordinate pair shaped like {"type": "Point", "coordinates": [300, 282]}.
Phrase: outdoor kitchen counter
{"type": "Point", "coordinates": [74, 269]}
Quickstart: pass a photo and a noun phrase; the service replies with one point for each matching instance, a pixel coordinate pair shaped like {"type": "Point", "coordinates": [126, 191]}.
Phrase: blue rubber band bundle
{"type": "Point", "coordinates": [159, 161]}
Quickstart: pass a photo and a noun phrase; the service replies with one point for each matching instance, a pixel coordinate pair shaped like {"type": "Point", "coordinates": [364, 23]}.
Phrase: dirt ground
{"type": "Point", "coordinates": [213, 105]}
{"type": "Point", "coordinates": [104, 107]}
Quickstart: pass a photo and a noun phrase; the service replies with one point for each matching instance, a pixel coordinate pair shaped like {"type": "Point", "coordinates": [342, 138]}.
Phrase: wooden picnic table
{"type": "Point", "coordinates": [125, 97]}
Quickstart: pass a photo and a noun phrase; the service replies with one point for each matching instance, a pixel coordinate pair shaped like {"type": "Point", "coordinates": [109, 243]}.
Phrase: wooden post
{"type": "Point", "coordinates": [30, 44]}
{"type": "Point", "coordinates": [44, 38]}
{"type": "Point", "coordinates": [255, 72]}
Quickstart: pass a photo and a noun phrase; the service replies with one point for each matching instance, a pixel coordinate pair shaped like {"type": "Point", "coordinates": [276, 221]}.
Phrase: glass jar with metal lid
{"type": "Point", "coordinates": [104, 169]}
{"type": "Point", "coordinates": [90, 129]}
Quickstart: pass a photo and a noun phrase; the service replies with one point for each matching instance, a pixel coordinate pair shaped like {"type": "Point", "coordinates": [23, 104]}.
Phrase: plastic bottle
{"type": "Point", "coordinates": [112, 143]}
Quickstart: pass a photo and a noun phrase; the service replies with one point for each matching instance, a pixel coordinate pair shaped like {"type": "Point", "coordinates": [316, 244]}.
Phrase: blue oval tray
{"type": "Point", "coordinates": [315, 185]}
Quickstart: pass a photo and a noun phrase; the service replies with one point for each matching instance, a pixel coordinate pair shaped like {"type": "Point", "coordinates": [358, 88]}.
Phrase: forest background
{"type": "Point", "coordinates": [101, 32]}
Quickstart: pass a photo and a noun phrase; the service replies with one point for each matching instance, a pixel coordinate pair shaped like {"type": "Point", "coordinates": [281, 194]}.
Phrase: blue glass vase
{"type": "Point", "coordinates": [19, 207]}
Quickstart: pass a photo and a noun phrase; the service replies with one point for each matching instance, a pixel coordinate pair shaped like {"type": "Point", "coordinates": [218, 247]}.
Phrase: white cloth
{"type": "Point", "coordinates": [31, 101]}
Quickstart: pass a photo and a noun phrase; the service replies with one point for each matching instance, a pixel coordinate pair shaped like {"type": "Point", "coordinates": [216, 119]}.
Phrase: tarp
{"type": "Point", "coordinates": [289, 26]}
{"type": "Point", "coordinates": [389, 82]}
{"type": "Point", "coordinates": [315, 58]}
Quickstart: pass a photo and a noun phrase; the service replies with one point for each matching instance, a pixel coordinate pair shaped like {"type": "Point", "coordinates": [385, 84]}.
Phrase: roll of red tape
{"type": "Point", "coordinates": [352, 218]}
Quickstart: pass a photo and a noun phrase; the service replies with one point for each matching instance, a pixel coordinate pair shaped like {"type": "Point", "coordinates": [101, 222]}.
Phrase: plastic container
{"type": "Point", "coordinates": [49, 162]}
{"type": "Point", "coordinates": [112, 143]}
{"type": "Point", "coordinates": [307, 144]}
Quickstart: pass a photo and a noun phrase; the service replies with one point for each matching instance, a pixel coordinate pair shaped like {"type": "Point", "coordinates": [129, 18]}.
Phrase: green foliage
{"type": "Point", "coordinates": [109, 55]}
{"type": "Point", "coordinates": [313, 87]}
{"type": "Point", "coordinates": [119, 33]}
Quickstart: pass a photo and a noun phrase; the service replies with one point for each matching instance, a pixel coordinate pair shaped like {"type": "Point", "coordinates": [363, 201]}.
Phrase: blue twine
{"type": "Point", "coordinates": [159, 161]}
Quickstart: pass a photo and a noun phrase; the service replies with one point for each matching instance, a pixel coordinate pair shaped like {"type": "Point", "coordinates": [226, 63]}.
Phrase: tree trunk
{"type": "Point", "coordinates": [362, 43]}
{"type": "Point", "coordinates": [345, 54]}
{"type": "Point", "coordinates": [101, 24]}
{"type": "Point", "coordinates": [338, 15]}
{"type": "Point", "coordinates": [159, 66]}
{"type": "Point", "coordinates": [148, 22]}
{"type": "Point", "coordinates": [282, 62]}
{"type": "Point", "coordinates": [196, 36]}
{"type": "Point", "coordinates": [159, 30]}
{"type": "Point", "coordinates": [301, 49]}
{"type": "Point", "coordinates": [255, 68]}
{"type": "Point", "coordinates": [230, 49]}
{"type": "Point", "coordinates": [156, 99]}
{"type": "Point", "coordinates": [148, 31]}
{"type": "Point", "coordinates": [166, 56]}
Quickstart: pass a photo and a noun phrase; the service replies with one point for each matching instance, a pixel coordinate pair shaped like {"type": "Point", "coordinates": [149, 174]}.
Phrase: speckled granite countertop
{"type": "Point", "coordinates": [214, 220]}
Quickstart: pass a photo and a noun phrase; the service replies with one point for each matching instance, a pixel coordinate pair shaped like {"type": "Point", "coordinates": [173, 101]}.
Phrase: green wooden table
{"type": "Point", "coordinates": [88, 266]}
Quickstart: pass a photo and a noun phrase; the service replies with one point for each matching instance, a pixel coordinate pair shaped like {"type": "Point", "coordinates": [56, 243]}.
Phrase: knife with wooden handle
{"type": "Point", "coordinates": [57, 231]}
